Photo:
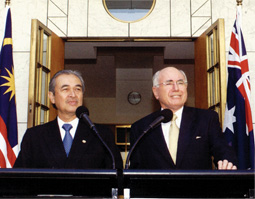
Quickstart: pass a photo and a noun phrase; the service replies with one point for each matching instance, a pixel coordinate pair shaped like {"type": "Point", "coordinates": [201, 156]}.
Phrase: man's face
{"type": "Point", "coordinates": [172, 96]}
{"type": "Point", "coordinates": [68, 95]}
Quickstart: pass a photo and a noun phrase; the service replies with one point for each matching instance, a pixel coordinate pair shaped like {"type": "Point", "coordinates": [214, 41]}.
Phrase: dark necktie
{"type": "Point", "coordinates": [68, 138]}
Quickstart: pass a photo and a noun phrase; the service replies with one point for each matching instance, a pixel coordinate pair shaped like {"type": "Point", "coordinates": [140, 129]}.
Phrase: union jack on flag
{"type": "Point", "coordinates": [8, 118]}
{"type": "Point", "coordinates": [238, 127]}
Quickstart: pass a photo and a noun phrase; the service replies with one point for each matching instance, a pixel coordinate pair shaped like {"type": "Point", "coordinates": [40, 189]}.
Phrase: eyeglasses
{"type": "Point", "coordinates": [179, 83]}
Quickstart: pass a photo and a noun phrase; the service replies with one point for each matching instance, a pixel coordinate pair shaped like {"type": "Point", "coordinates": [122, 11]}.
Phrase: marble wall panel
{"type": "Point", "coordinates": [58, 7]}
{"type": "Point", "coordinates": [77, 18]}
{"type": "Point", "coordinates": [22, 127]}
{"type": "Point", "coordinates": [57, 16]}
{"type": "Point", "coordinates": [22, 14]}
{"type": "Point", "coordinates": [21, 69]}
{"type": "Point", "coordinates": [101, 24]}
{"type": "Point", "coordinates": [201, 16]}
{"type": "Point", "coordinates": [2, 21]}
{"type": "Point", "coordinates": [248, 24]}
{"type": "Point", "coordinates": [157, 24]}
{"type": "Point", "coordinates": [227, 11]}
{"type": "Point", "coordinates": [58, 26]}
{"type": "Point", "coordinates": [200, 8]}
{"type": "Point", "coordinates": [180, 18]}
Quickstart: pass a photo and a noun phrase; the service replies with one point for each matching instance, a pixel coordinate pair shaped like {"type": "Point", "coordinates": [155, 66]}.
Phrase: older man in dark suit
{"type": "Point", "coordinates": [67, 142]}
{"type": "Point", "coordinates": [188, 141]}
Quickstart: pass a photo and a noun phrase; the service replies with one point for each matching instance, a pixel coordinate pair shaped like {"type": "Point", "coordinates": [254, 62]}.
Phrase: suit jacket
{"type": "Point", "coordinates": [200, 137]}
{"type": "Point", "coordinates": [42, 147]}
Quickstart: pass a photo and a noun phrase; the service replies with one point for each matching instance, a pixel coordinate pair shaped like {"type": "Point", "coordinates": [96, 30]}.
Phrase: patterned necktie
{"type": "Point", "coordinates": [173, 138]}
{"type": "Point", "coordinates": [68, 138]}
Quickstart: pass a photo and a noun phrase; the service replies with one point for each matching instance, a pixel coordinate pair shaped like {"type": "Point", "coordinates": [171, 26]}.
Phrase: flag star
{"type": "Point", "coordinates": [229, 120]}
{"type": "Point", "coordinates": [10, 83]}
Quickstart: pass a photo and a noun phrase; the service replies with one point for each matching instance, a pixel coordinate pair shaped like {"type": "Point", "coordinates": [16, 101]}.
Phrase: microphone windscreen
{"type": "Point", "coordinates": [81, 110]}
{"type": "Point", "coordinates": [167, 114]}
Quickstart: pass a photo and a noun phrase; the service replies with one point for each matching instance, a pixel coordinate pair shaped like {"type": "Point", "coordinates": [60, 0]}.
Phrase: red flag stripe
{"type": "Point", "coordinates": [2, 160]}
{"type": "Point", "coordinates": [5, 148]}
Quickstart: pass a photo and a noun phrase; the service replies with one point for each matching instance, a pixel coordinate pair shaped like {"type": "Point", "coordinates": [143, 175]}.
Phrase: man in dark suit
{"type": "Point", "coordinates": [43, 146]}
{"type": "Point", "coordinates": [197, 132]}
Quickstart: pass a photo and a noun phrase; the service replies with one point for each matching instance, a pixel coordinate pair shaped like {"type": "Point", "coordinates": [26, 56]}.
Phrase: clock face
{"type": "Point", "coordinates": [134, 98]}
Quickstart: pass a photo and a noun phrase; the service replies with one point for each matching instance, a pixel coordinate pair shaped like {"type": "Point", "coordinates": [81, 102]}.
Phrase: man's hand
{"type": "Point", "coordinates": [226, 165]}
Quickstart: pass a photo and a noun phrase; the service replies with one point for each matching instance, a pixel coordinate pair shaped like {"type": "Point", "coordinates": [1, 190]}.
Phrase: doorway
{"type": "Point", "coordinates": [114, 69]}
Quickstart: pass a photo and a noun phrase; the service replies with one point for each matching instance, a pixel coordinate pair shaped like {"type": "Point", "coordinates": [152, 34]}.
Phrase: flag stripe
{"type": "Point", "coordinates": [7, 41]}
{"type": "Point", "coordinates": [2, 160]}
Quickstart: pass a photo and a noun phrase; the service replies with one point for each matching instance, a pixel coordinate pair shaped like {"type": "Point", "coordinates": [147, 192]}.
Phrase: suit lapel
{"type": "Point", "coordinates": [54, 143]}
{"type": "Point", "coordinates": [186, 132]}
{"type": "Point", "coordinates": [81, 140]}
{"type": "Point", "coordinates": [160, 144]}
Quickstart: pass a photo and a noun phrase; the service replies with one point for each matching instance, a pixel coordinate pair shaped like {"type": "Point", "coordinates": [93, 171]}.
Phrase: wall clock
{"type": "Point", "coordinates": [134, 97]}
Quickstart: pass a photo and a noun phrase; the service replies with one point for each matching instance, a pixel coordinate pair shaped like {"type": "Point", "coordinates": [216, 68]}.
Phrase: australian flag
{"type": "Point", "coordinates": [8, 116]}
{"type": "Point", "coordinates": [238, 127]}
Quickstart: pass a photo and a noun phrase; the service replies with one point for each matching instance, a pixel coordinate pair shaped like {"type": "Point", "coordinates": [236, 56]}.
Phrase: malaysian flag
{"type": "Point", "coordinates": [8, 116]}
{"type": "Point", "coordinates": [238, 119]}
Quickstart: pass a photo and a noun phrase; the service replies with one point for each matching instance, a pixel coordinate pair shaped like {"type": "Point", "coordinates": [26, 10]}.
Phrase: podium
{"type": "Point", "coordinates": [51, 183]}
{"type": "Point", "coordinates": [189, 184]}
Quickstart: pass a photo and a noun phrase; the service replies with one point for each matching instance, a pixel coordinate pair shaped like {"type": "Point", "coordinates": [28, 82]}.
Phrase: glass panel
{"type": "Point", "coordinates": [36, 115]}
{"type": "Point", "coordinates": [42, 116]}
{"type": "Point", "coordinates": [37, 83]}
{"type": "Point", "coordinates": [129, 10]}
{"type": "Point", "coordinates": [38, 46]}
{"type": "Point", "coordinates": [217, 85]}
{"type": "Point", "coordinates": [212, 50]}
{"type": "Point", "coordinates": [210, 90]}
{"type": "Point", "coordinates": [216, 48]}
{"type": "Point", "coordinates": [45, 46]}
{"type": "Point", "coordinates": [213, 88]}
{"type": "Point", "coordinates": [44, 87]}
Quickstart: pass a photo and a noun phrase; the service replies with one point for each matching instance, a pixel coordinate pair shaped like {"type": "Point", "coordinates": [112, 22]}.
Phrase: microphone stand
{"type": "Point", "coordinates": [82, 113]}
{"type": "Point", "coordinates": [165, 116]}
{"type": "Point", "coordinates": [106, 146]}
{"type": "Point", "coordinates": [133, 147]}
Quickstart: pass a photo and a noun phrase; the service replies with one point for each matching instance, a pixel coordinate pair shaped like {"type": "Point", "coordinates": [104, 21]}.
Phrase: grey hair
{"type": "Point", "coordinates": [155, 81]}
{"type": "Point", "coordinates": [67, 72]}
{"type": "Point", "coordinates": [155, 77]}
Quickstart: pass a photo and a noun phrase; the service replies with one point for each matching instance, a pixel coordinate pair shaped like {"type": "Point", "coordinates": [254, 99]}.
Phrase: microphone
{"type": "Point", "coordinates": [164, 116]}
{"type": "Point", "coordinates": [83, 113]}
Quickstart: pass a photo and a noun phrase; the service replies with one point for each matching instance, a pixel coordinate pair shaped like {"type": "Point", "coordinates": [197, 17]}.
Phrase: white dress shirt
{"type": "Point", "coordinates": [165, 126]}
{"type": "Point", "coordinates": [74, 124]}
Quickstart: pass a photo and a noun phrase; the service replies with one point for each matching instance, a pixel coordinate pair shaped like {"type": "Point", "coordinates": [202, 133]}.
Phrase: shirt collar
{"type": "Point", "coordinates": [179, 116]}
{"type": "Point", "coordinates": [74, 124]}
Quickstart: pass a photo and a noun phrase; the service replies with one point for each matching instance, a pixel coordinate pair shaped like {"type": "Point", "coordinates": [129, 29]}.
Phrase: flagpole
{"type": "Point", "coordinates": [239, 2]}
{"type": "Point", "coordinates": [7, 2]}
